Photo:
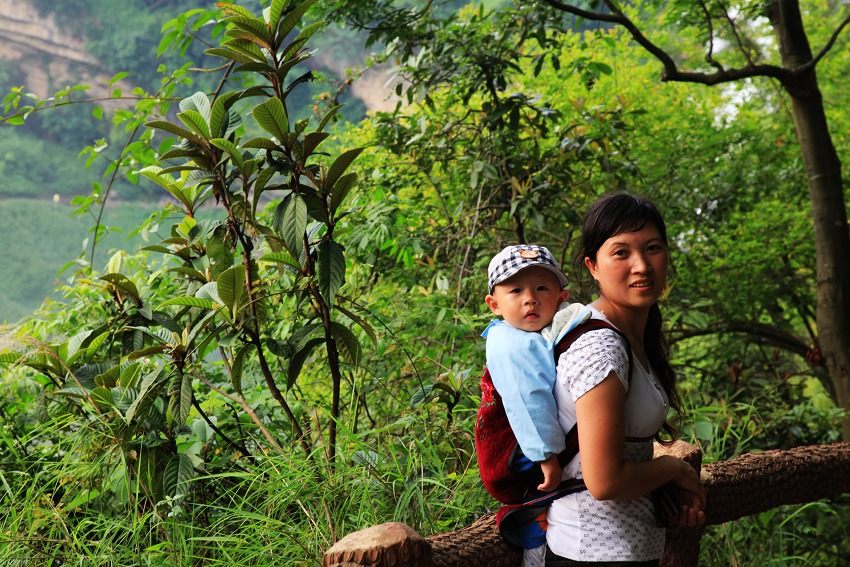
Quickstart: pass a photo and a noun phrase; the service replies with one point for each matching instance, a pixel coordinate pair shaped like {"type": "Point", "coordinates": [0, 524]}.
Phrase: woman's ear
{"type": "Point", "coordinates": [591, 266]}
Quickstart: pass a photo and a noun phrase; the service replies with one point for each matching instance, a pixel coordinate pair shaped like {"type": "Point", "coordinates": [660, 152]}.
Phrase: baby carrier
{"type": "Point", "coordinates": [500, 458]}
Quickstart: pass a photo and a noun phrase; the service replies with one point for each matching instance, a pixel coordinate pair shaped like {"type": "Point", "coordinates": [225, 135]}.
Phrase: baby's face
{"type": "Point", "coordinates": [527, 300]}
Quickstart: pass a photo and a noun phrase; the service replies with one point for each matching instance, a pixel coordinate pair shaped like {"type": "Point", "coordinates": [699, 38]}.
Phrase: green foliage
{"type": "Point", "coordinates": [293, 353]}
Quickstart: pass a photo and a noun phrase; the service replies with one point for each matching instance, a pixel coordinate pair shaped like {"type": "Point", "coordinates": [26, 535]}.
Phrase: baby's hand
{"type": "Point", "coordinates": [551, 474]}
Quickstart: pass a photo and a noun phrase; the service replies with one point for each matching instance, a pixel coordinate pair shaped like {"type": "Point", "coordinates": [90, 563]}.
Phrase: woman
{"type": "Point", "coordinates": [624, 247]}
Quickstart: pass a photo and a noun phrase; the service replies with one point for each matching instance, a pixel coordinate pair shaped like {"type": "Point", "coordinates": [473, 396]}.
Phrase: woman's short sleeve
{"type": "Point", "coordinates": [590, 359]}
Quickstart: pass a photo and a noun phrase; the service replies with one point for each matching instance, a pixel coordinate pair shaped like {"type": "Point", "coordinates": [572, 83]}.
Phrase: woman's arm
{"type": "Point", "coordinates": [600, 413]}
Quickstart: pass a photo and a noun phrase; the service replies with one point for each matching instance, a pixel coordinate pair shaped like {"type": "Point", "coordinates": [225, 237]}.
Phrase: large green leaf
{"type": "Point", "coordinates": [123, 283]}
{"type": "Point", "coordinates": [258, 40]}
{"type": "Point", "coordinates": [74, 344]}
{"type": "Point", "coordinates": [327, 117]}
{"type": "Point", "coordinates": [195, 122]}
{"type": "Point", "coordinates": [292, 19]}
{"type": "Point", "coordinates": [231, 10]}
{"type": "Point", "coordinates": [175, 129]}
{"type": "Point", "coordinates": [301, 39]}
{"type": "Point", "coordinates": [123, 398]}
{"type": "Point", "coordinates": [130, 375]}
{"type": "Point", "coordinates": [190, 273]}
{"type": "Point", "coordinates": [252, 25]}
{"type": "Point", "coordinates": [234, 54]}
{"type": "Point", "coordinates": [367, 328]}
{"type": "Point", "coordinates": [160, 334]}
{"type": "Point", "coordinates": [246, 47]}
{"type": "Point", "coordinates": [147, 351]}
{"type": "Point", "coordinates": [339, 166]}
{"type": "Point", "coordinates": [284, 69]}
{"type": "Point", "coordinates": [236, 368]}
{"type": "Point", "coordinates": [179, 472]}
{"type": "Point", "coordinates": [210, 291]}
{"type": "Point", "coordinates": [198, 327]}
{"type": "Point", "coordinates": [178, 152]}
{"type": "Point", "coordinates": [179, 398]}
{"type": "Point", "coordinates": [231, 287]}
{"type": "Point", "coordinates": [198, 101]}
{"type": "Point", "coordinates": [263, 143]}
{"type": "Point", "coordinates": [98, 341]}
{"type": "Point", "coordinates": [274, 12]}
{"type": "Point", "coordinates": [271, 116]}
{"type": "Point", "coordinates": [231, 149]}
{"type": "Point", "coordinates": [331, 267]}
{"type": "Point", "coordinates": [311, 142]}
{"type": "Point", "coordinates": [189, 301]}
{"type": "Point", "coordinates": [290, 223]}
{"type": "Point", "coordinates": [161, 178]}
{"type": "Point", "coordinates": [219, 112]}
{"type": "Point", "coordinates": [341, 189]}
{"type": "Point", "coordinates": [346, 343]}
{"type": "Point", "coordinates": [296, 363]}
{"type": "Point", "coordinates": [284, 261]}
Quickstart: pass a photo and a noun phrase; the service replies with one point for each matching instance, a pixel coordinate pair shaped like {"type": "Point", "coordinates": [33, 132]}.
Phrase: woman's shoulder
{"type": "Point", "coordinates": [591, 358]}
{"type": "Point", "coordinates": [598, 343]}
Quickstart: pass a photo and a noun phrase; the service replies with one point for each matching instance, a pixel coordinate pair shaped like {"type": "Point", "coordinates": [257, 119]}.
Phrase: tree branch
{"type": "Point", "coordinates": [671, 71]}
{"type": "Point", "coordinates": [777, 337]}
{"type": "Point", "coordinates": [825, 49]}
{"type": "Point", "coordinates": [236, 445]}
{"type": "Point", "coordinates": [709, 57]}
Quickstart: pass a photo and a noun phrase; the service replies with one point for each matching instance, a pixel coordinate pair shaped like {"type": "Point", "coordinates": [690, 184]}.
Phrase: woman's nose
{"type": "Point", "coordinates": [642, 264]}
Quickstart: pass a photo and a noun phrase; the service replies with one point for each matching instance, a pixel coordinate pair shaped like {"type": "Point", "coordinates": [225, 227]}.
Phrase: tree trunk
{"type": "Point", "coordinates": [829, 214]}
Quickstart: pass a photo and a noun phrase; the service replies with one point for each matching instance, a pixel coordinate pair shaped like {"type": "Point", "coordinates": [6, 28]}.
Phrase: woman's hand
{"type": "Point", "coordinates": [692, 497]}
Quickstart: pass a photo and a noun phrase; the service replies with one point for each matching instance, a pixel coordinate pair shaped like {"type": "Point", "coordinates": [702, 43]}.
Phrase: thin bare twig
{"type": "Point", "coordinates": [247, 408]}
{"type": "Point", "coordinates": [827, 46]}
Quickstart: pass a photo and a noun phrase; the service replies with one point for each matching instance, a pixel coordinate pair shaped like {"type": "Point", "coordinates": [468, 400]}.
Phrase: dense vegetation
{"type": "Point", "coordinates": [39, 159]}
{"type": "Point", "coordinates": [294, 352]}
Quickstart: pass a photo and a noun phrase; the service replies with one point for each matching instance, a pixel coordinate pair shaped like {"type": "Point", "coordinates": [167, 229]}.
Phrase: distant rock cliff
{"type": "Point", "coordinates": [50, 58]}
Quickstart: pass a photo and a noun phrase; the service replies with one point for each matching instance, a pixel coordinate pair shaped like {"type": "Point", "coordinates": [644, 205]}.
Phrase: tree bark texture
{"type": "Point", "coordinates": [826, 192]}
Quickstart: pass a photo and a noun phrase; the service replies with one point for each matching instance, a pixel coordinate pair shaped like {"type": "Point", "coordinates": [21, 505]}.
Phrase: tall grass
{"type": "Point", "coordinates": [282, 510]}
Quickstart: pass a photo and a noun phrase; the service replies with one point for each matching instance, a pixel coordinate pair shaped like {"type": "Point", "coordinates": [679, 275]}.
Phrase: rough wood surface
{"type": "Point", "coordinates": [681, 547]}
{"type": "Point", "coordinates": [387, 545]}
{"type": "Point", "coordinates": [477, 544]}
{"type": "Point", "coordinates": [756, 482]}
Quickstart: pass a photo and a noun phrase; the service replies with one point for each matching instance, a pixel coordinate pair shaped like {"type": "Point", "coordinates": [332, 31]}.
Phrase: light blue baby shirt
{"type": "Point", "coordinates": [522, 367]}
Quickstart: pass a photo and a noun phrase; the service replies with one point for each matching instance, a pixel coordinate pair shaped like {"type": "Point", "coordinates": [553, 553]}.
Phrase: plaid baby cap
{"type": "Point", "coordinates": [518, 257]}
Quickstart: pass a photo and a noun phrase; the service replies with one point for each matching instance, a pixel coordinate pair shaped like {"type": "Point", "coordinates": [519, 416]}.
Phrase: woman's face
{"type": "Point", "coordinates": [631, 268]}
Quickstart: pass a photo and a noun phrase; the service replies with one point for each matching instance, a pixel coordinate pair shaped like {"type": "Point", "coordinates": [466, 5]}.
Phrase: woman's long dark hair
{"type": "Point", "coordinates": [614, 214]}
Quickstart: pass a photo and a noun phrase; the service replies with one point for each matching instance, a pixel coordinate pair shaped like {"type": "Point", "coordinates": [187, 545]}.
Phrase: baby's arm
{"type": "Point", "coordinates": [522, 367]}
{"type": "Point", "coordinates": [551, 474]}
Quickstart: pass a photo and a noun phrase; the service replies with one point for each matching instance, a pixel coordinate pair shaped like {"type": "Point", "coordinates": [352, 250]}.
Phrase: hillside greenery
{"type": "Point", "coordinates": [44, 237]}
{"type": "Point", "coordinates": [289, 349]}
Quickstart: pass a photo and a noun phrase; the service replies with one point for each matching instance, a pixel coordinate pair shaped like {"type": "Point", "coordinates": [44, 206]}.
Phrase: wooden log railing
{"type": "Point", "coordinates": [739, 487]}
